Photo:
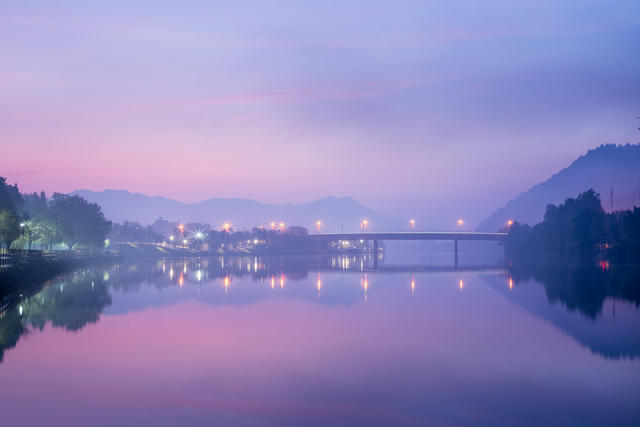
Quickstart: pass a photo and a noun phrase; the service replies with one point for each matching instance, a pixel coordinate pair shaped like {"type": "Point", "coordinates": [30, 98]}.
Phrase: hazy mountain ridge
{"type": "Point", "coordinates": [603, 168]}
{"type": "Point", "coordinates": [120, 205]}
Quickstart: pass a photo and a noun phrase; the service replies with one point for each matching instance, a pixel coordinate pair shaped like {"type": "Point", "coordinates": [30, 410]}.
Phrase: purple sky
{"type": "Point", "coordinates": [428, 109]}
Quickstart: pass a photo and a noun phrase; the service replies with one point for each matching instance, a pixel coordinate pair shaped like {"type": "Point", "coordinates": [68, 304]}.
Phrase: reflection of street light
{"type": "Point", "coordinates": [413, 223]}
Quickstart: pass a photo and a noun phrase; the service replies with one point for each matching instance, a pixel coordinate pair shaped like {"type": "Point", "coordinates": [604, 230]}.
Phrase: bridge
{"type": "Point", "coordinates": [374, 237]}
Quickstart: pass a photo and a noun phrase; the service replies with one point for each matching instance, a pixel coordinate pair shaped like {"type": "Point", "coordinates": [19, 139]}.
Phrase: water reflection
{"type": "Point", "coordinates": [393, 346]}
{"type": "Point", "coordinates": [598, 305]}
{"type": "Point", "coordinates": [72, 301]}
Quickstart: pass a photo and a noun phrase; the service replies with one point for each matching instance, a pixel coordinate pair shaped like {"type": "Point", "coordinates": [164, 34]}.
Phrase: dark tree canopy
{"type": "Point", "coordinates": [80, 221]}
{"type": "Point", "coordinates": [10, 197]}
{"type": "Point", "coordinates": [578, 229]}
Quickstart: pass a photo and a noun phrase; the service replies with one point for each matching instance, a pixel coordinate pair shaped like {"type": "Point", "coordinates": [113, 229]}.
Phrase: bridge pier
{"type": "Point", "coordinates": [375, 254]}
{"type": "Point", "coordinates": [455, 250]}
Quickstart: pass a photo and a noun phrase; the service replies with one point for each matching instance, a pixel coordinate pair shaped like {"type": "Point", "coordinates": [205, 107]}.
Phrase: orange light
{"type": "Point", "coordinates": [181, 228]}
{"type": "Point", "coordinates": [282, 226]}
{"type": "Point", "coordinates": [461, 284]}
{"type": "Point", "coordinates": [413, 284]}
{"type": "Point", "coordinates": [282, 281]}
{"type": "Point", "coordinates": [460, 222]}
{"type": "Point", "coordinates": [273, 282]}
{"type": "Point", "coordinates": [510, 283]}
{"type": "Point", "coordinates": [319, 284]}
{"type": "Point", "coordinates": [413, 223]}
{"type": "Point", "coordinates": [318, 224]}
{"type": "Point", "coordinates": [181, 279]}
{"type": "Point", "coordinates": [273, 225]}
{"type": "Point", "coordinates": [509, 223]}
{"type": "Point", "coordinates": [226, 226]}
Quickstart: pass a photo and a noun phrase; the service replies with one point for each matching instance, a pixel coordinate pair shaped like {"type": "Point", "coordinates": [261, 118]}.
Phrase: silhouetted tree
{"type": "Point", "coordinates": [10, 198]}
{"type": "Point", "coordinates": [79, 221]}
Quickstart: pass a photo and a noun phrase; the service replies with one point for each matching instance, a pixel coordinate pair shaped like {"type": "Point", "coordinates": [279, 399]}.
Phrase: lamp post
{"type": "Point", "coordinates": [413, 224]}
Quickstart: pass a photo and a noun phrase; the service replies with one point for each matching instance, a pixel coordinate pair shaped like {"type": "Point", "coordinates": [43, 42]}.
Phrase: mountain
{"type": "Point", "coordinates": [120, 205]}
{"type": "Point", "coordinates": [604, 168]}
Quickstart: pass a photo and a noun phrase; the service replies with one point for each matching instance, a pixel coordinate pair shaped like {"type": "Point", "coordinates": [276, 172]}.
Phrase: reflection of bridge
{"type": "Point", "coordinates": [413, 235]}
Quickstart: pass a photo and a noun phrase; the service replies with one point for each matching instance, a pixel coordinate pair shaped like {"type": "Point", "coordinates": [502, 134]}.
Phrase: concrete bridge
{"type": "Point", "coordinates": [374, 237]}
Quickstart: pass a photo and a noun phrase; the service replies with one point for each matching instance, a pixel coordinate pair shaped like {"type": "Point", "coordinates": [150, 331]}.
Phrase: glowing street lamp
{"type": "Point", "coordinates": [171, 238]}
{"type": "Point", "coordinates": [413, 224]}
{"type": "Point", "coordinates": [226, 226]}
{"type": "Point", "coordinates": [460, 223]}
{"type": "Point", "coordinates": [282, 226]}
{"type": "Point", "coordinates": [199, 235]}
{"type": "Point", "coordinates": [509, 223]}
{"type": "Point", "coordinates": [318, 225]}
{"type": "Point", "coordinates": [184, 241]}
{"type": "Point", "coordinates": [181, 228]}
{"type": "Point", "coordinates": [273, 225]}
{"type": "Point", "coordinates": [363, 225]}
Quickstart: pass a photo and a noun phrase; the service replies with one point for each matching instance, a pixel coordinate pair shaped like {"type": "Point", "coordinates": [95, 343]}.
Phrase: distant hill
{"type": "Point", "coordinates": [603, 168]}
{"type": "Point", "coordinates": [120, 205]}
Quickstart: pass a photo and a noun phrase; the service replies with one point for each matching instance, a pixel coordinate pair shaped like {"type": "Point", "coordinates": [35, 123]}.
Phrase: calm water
{"type": "Point", "coordinates": [324, 341]}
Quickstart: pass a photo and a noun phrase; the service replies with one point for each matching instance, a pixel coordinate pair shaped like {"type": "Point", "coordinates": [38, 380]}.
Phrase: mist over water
{"type": "Point", "coordinates": [323, 340]}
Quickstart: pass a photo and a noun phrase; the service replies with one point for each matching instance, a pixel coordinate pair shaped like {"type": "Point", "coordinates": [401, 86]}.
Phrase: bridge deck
{"type": "Point", "coordinates": [410, 235]}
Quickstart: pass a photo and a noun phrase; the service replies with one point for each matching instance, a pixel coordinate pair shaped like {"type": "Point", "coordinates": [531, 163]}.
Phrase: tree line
{"type": "Point", "coordinates": [578, 230]}
{"type": "Point", "coordinates": [33, 219]}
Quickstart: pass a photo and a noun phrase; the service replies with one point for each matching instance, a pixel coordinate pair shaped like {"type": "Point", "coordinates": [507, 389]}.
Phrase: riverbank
{"type": "Point", "coordinates": [24, 277]}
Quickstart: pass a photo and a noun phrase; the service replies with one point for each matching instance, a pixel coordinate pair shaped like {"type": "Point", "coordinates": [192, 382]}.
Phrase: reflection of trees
{"type": "Point", "coordinates": [71, 302]}
{"type": "Point", "coordinates": [583, 287]}
{"type": "Point", "coordinates": [74, 300]}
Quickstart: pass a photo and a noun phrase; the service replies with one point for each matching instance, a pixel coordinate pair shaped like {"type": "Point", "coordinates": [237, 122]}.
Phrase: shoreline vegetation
{"type": "Point", "coordinates": [579, 231]}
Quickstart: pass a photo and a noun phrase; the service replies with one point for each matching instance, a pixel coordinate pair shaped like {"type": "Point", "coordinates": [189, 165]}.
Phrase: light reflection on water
{"type": "Point", "coordinates": [324, 341]}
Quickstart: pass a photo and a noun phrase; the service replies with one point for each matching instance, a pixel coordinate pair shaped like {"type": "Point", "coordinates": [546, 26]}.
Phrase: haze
{"type": "Point", "coordinates": [431, 109]}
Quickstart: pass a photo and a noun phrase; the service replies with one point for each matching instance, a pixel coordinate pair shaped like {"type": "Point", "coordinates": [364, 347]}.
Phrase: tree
{"type": "Point", "coordinates": [79, 221]}
{"type": "Point", "coordinates": [10, 198]}
{"type": "Point", "coordinates": [9, 227]}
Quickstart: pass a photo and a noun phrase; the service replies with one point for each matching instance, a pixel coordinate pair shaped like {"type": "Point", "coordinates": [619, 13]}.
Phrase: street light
{"type": "Point", "coordinates": [509, 223]}
{"type": "Point", "coordinates": [460, 223]}
{"type": "Point", "coordinates": [273, 225]}
{"type": "Point", "coordinates": [318, 225]}
{"type": "Point", "coordinates": [364, 224]}
{"type": "Point", "coordinates": [184, 241]}
{"type": "Point", "coordinates": [181, 228]}
{"type": "Point", "coordinates": [413, 223]}
{"type": "Point", "coordinates": [199, 235]}
{"type": "Point", "coordinates": [171, 238]}
{"type": "Point", "coordinates": [226, 226]}
{"type": "Point", "coordinates": [282, 226]}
